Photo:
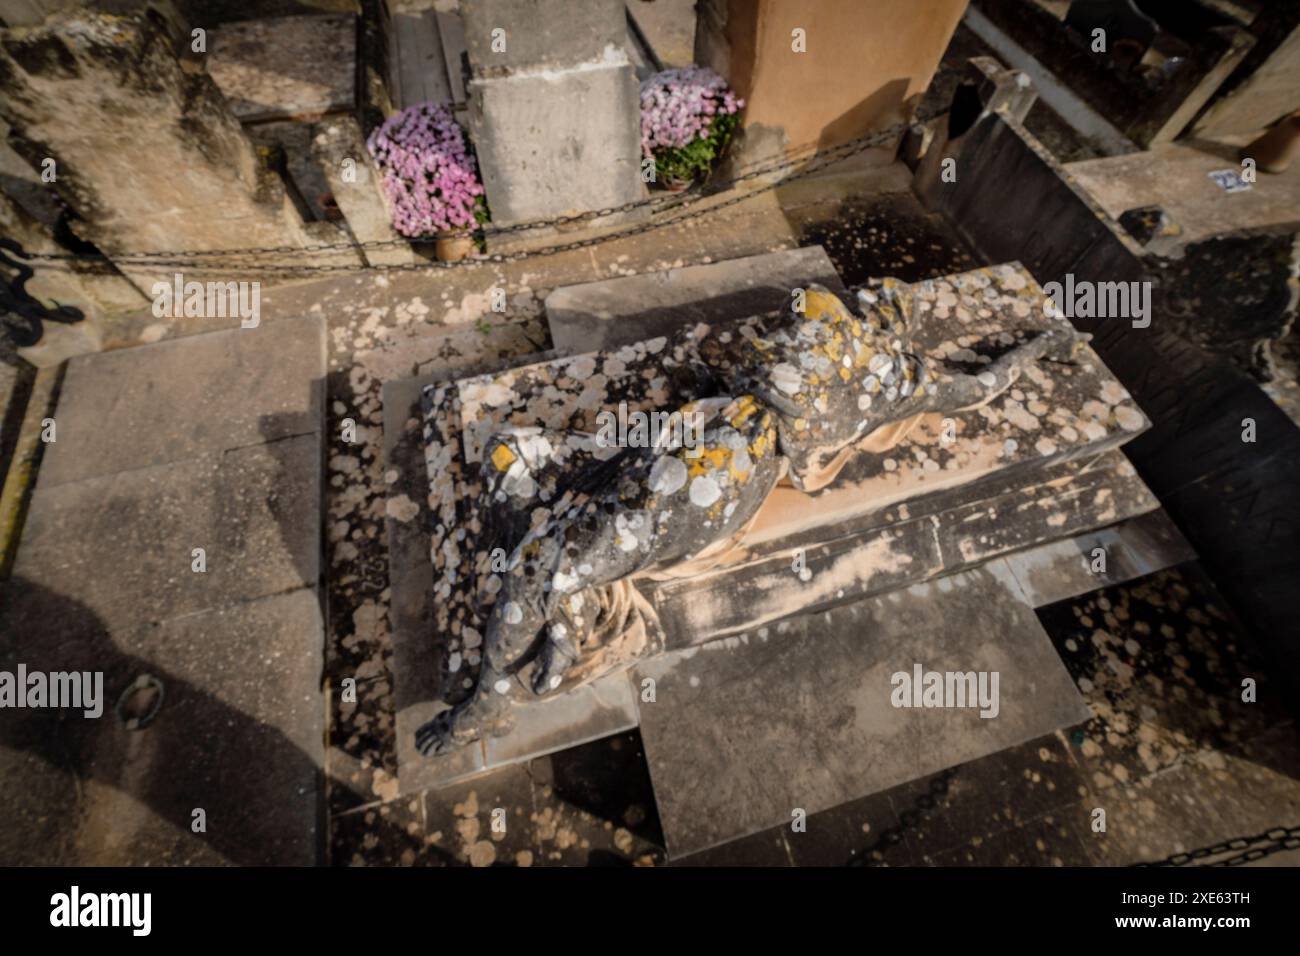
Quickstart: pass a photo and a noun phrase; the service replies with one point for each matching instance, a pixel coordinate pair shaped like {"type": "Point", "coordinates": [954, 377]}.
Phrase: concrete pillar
{"type": "Point", "coordinates": [821, 72]}
{"type": "Point", "coordinates": [554, 106]}
{"type": "Point", "coordinates": [146, 151]}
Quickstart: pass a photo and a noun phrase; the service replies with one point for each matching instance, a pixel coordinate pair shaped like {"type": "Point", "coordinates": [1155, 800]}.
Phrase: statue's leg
{"type": "Point", "coordinates": [953, 391]}
{"type": "Point", "coordinates": [659, 506]}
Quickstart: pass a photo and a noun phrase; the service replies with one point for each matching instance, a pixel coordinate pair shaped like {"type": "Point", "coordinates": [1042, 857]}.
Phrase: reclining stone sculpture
{"type": "Point", "coordinates": [781, 398]}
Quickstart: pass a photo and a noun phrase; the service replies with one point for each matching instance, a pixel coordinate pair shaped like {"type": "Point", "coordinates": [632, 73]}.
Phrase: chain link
{"type": "Point", "coordinates": [1274, 841]}
{"type": "Point", "coordinates": [909, 819]}
{"type": "Point", "coordinates": [1271, 841]}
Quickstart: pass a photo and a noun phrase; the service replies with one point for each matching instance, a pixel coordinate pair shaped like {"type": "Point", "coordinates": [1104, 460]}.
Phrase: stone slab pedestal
{"type": "Point", "coordinates": [1038, 464]}
{"type": "Point", "coordinates": [616, 312]}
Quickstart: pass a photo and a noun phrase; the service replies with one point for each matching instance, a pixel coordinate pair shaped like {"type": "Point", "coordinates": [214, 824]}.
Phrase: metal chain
{"type": "Point", "coordinates": [1275, 841]}
{"type": "Point", "coordinates": [1272, 841]}
{"type": "Point", "coordinates": [908, 819]}
{"type": "Point", "coordinates": [816, 160]}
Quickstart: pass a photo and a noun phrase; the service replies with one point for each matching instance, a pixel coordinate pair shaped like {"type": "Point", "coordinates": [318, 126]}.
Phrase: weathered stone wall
{"type": "Point", "coordinates": [860, 66]}
{"type": "Point", "coordinates": [146, 151]}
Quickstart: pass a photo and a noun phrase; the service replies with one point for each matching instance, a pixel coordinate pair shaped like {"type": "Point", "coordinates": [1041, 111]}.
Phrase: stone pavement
{"type": "Point", "coordinates": [209, 442]}
{"type": "Point", "coordinates": [745, 730]}
{"type": "Point", "coordinates": [593, 804]}
{"type": "Point", "coordinates": [1172, 755]}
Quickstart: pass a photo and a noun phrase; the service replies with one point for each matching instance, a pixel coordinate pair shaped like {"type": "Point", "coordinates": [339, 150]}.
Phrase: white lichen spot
{"type": "Point", "coordinates": [704, 491]}
{"type": "Point", "coordinates": [667, 475]}
{"type": "Point", "coordinates": [786, 377]}
{"type": "Point", "coordinates": [1129, 418]}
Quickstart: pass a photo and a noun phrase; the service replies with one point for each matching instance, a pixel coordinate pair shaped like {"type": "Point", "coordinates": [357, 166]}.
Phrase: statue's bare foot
{"type": "Point", "coordinates": [487, 711]}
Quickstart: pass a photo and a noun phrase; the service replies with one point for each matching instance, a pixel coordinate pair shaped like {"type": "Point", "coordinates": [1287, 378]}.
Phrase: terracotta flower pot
{"type": "Point", "coordinates": [454, 248]}
{"type": "Point", "coordinates": [677, 185]}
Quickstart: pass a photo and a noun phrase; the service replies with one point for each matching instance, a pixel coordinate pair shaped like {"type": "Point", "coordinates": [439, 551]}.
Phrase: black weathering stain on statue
{"type": "Point", "coordinates": [24, 316]}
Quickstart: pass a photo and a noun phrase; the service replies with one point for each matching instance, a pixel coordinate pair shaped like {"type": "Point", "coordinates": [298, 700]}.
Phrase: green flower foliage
{"type": "Point", "coordinates": [696, 158]}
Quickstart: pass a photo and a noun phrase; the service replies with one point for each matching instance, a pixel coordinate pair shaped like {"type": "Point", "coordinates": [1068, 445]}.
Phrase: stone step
{"type": "Point", "coordinates": [1067, 568]}
{"type": "Point", "coordinates": [616, 312]}
{"type": "Point", "coordinates": [745, 732]}
{"type": "Point", "coordinates": [899, 547]}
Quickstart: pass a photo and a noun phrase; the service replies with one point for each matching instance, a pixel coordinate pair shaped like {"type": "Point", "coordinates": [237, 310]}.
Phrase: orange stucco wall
{"type": "Point", "coordinates": [864, 58]}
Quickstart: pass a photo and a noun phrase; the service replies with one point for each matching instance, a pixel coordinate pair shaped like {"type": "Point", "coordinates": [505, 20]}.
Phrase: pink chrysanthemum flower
{"type": "Point", "coordinates": [428, 173]}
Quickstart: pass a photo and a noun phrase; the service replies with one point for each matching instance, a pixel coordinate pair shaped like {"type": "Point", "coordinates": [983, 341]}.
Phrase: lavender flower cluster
{"type": "Point", "coordinates": [429, 176]}
{"type": "Point", "coordinates": [679, 106]}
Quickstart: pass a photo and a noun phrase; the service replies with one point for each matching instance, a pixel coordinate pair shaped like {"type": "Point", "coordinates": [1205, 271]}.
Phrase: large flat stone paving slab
{"type": "Point", "coordinates": [239, 736]}
{"type": "Point", "coordinates": [798, 716]}
{"type": "Point", "coordinates": [122, 543]}
{"type": "Point", "coordinates": [185, 397]}
{"type": "Point", "coordinates": [212, 441]}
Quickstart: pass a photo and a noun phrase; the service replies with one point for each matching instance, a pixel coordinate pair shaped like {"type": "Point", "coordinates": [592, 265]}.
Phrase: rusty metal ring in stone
{"type": "Point", "coordinates": [140, 702]}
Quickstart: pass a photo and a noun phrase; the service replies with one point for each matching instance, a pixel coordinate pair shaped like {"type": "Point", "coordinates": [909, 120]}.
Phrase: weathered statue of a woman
{"type": "Point", "coordinates": [784, 398]}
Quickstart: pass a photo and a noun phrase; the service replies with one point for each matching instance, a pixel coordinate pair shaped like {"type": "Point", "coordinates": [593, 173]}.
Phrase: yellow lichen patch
{"type": "Point", "coordinates": [502, 457]}
{"type": "Point", "coordinates": [712, 459]}
{"type": "Point", "coordinates": [824, 306]}
{"type": "Point", "coordinates": [835, 347]}
{"type": "Point", "coordinates": [845, 374]}
{"type": "Point", "coordinates": [741, 410]}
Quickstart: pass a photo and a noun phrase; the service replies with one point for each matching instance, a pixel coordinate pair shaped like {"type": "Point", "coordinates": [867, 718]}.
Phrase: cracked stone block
{"type": "Point", "coordinates": [107, 98]}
